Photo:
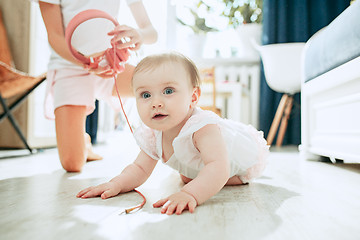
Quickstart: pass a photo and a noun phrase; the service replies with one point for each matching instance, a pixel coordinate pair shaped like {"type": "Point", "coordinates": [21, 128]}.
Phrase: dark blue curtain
{"type": "Point", "coordinates": [92, 123]}
{"type": "Point", "coordinates": [291, 21]}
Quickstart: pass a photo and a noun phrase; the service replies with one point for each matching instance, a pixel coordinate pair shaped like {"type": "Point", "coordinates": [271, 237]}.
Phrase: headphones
{"type": "Point", "coordinates": [115, 57]}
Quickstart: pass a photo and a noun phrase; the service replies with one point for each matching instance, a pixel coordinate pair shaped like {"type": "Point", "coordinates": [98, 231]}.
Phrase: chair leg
{"type": "Point", "coordinates": [284, 121]}
{"type": "Point", "coordinates": [277, 118]}
{"type": "Point", "coordinates": [14, 123]}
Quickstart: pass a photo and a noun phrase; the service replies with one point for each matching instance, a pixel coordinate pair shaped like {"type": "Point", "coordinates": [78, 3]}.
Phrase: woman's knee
{"type": "Point", "coordinates": [73, 162]}
{"type": "Point", "coordinates": [70, 130]}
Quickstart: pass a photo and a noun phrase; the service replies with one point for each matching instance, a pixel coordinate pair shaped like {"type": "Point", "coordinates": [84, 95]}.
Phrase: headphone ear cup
{"type": "Point", "coordinates": [119, 60]}
{"type": "Point", "coordinates": [109, 55]}
{"type": "Point", "coordinates": [123, 54]}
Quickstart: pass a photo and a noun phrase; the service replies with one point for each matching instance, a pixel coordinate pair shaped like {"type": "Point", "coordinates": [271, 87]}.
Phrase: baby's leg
{"type": "Point", "coordinates": [71, 136]}
{"type": "Point", "coordinates": [235, 180]}
{"type": "Point", "coordinates": [185, 179]}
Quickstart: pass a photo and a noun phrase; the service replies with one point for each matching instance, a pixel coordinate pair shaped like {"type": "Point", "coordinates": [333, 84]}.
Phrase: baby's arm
{"type": "Point", "coordinates": [210, 180]}
{"type": "Point", "coordinates": [131, 177]}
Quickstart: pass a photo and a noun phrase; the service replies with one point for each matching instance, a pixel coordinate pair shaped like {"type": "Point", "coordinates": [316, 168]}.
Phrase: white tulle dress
{"type": "Point", "coordinates": [247, 149]}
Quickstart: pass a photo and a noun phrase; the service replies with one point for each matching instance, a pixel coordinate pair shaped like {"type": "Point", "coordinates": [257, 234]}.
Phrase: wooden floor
{"type": "Point", "coordinates": [293, 200]}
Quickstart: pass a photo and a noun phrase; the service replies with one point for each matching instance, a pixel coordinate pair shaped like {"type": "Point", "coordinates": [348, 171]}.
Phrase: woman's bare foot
{"type": "Point", "coordinates": [91, 156]}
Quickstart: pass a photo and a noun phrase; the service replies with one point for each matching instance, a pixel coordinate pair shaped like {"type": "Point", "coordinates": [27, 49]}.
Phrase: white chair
{"type": "Point", "coordinates": [207, 76]}
{"type": "Point", "coordinates": [282, 68]}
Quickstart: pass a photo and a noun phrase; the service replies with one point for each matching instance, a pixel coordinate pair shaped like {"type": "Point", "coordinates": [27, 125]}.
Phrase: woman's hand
{"type": "Point", "coordinates": [126, 37]}
{"type": "Point", "coordinates": [105, 190]}
{"type": "Point", "coordinates": [176, 203]}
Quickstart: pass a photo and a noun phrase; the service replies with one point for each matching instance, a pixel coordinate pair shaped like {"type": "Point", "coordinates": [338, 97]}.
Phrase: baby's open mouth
{"type": "Point", "coordinates": [159, 116]}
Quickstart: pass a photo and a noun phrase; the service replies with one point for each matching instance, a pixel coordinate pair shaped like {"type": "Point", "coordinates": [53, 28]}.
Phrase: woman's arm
{"type": "Point", "coordinates": [52, 16]}
{"type": "Point", "coordinates": [142, 20]}
{"type": "Point", "coordinates": [145, 34]}
{"type": "Point", "coordinates": [131, 177]}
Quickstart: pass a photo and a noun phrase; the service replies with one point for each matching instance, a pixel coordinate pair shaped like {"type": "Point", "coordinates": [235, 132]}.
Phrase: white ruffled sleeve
{"type": "Point", "coordinates": [148, 139]}
{"type": "Point", "coordinates": [198, 120]}
{"type": "Point", "coordinates": [183, 145]}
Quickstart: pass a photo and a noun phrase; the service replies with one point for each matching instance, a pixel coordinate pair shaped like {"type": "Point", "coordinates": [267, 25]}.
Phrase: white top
{"type": "Point", "coordinates": [247, 149]}
{"type": "Point", "coordinates": [91, 36]}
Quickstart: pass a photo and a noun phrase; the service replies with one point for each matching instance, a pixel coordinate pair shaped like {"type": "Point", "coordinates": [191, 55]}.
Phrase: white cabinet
{"type": "Point", "coordinates": [330, 108]}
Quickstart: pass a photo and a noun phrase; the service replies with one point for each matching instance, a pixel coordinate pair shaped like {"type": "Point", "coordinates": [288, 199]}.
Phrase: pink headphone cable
{"type": "Point", "coordinates": [118, 94]}
{"type": "Point", "coordinates": [138, 207]}
{"type": "Point", "coordinates": [121, 54]}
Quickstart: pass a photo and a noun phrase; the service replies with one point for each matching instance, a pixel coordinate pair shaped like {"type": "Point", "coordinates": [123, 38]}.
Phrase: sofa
{"type": "Point", "coordinates": [330, 91]}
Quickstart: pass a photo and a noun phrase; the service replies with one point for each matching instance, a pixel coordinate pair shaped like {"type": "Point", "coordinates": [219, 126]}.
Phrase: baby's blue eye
{"type": "Point", "coordinates": [168, 91]}
{"type": "Point", "coordinates": [145, 95]}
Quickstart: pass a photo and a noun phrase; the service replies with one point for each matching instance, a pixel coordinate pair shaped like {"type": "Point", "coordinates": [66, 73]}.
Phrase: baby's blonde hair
{"type": "Point", "coordinates": [152, 62]}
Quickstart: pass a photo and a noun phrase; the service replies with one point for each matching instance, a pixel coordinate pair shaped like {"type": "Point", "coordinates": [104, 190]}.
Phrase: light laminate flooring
{"type": "Point", "coordinates": [294, 199]}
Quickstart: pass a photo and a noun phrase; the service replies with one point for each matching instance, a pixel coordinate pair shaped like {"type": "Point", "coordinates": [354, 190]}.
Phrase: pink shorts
{"type": "Point", "coordinates": [75, 87]}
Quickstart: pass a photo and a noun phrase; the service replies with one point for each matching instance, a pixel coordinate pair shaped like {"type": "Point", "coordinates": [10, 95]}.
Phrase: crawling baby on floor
{"type": "Point", "coordinates": [209, 152]}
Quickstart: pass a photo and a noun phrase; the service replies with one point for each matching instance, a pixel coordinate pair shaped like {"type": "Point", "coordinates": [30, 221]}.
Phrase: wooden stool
{"type": "Point", "coordinates": [282, 113]}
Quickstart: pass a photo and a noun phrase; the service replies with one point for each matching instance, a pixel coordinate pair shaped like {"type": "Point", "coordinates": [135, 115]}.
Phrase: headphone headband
{"type": "Point", "coordinates": [76, 21]}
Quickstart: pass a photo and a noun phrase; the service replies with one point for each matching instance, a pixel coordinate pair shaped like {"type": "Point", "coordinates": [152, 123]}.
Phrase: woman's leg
{"type": "Point", "coordinates": [123, 82]}
{"type": "Point", "coordinates": [91, 156]}
{"type": "Point", "coordinates": [72, 141]}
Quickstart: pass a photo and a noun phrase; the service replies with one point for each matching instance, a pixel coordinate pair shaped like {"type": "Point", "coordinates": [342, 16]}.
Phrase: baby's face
{"type": "Point", "coordinates": [163, 96]}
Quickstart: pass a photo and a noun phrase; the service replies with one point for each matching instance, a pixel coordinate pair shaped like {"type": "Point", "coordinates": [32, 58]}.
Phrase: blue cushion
{"type": "Point", "coordinates": [334, 45]}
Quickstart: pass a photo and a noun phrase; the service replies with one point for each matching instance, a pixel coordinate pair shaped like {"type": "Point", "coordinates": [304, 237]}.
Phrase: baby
{"type": "Point", "coordinates": [209, 152]}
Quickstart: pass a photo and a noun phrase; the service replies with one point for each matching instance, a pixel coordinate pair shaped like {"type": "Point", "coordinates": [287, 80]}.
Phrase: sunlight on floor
{"type": "Point", "coordinates": [108, 223]}
{"type": "Point", "coordinates": [130, 222]}
{"type": "Point", "coordinates": [94, 213]}
{"type": "Point", "coordinates": [313, 199]}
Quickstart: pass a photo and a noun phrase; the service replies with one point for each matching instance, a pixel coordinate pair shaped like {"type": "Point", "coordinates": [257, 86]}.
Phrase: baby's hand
{"type": "Point", "coordinates": [177, 202]}
{"type": "Point", "coordinates": [104, 190]}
